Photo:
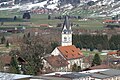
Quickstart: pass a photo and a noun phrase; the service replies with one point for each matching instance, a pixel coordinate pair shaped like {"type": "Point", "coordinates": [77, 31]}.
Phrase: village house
{"type": "Point", "coordinates": [5, 62]}
{"type": "Point", "coordinates": [39, 11]}
{"type": "Point", "coordinates": [113, 59]}
{"type": "Point", "coordinates": [70, 53]}
{"type": "Point", "coordinates": [66, 51]}
{"type": "Point", "coordinates": [13, 29]}
{"type": "Point", "coordinates": [55, 63]}
{"type": "Point", "coordinates": [114, 54]}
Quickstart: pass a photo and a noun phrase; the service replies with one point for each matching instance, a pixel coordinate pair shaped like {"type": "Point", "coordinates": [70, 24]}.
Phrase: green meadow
{"type": "Point", "coordinates": [37, 19]}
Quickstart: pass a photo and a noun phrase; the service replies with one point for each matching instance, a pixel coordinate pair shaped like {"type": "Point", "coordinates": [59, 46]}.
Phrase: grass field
{"type": "Point", "coordinates": [7, 18]}
{"type": "Point", "coordinates": [87, 53]}
{"type": "Point", "coordinates": [89, 24]}
{"type": "Point", "coordinates": [4, 49]}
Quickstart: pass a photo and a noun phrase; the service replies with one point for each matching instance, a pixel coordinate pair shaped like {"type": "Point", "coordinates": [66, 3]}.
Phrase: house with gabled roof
{"type": "Point", "coordinates": [113, 58]}
{"type": "Point", "coordinates": [114, 53]}
{"type": "Point", "coordinates": [5, 62]}
{"type": "Point", "coordinates": [67, 51]}
{"type": "Point", "coordinates": [55, 63]}
{"type": "Point", "coordinates": [70, 53]}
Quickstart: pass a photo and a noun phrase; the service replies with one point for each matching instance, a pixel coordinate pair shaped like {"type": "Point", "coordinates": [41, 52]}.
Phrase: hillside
{"type": "Point", "coordinates": [91, 8]}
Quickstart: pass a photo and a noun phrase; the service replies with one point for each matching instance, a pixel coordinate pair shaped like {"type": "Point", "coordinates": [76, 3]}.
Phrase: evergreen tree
{"type": "Point", "coordinates": [96, 60]}
{"type": "Point", "coordinates": [79, 17]}
{"type": "Point", "coordinates": [91, 47]}
{"type": "Point", "coordinates": [15, 17]}
{"type": "Point", "coordinates": [74, 68]}
{"type": "Point", "coordinates": [14, 66]}
{"type": "Point", "coordinates": [79, 45]}
{"type": "Point", "coordinates": [118, 47]}
{"type": "Point", "coordinates": [3, 40]}
{"type": "Point", "coordinates": [98, 41]}
{"type": "Point", "coordinates": [99, 47]}
{"type": "Point", "coordinates": [49, 17]}
{"type": "Point", "coordinates": [26, 15]}
{"type": "Point", "coordinates": [7, 44]}
{"type": "Point", "coordinates": [112, 46]}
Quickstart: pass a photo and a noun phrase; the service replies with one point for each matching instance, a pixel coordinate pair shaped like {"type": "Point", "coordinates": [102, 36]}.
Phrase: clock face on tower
{"type": "Point", "coordinates": [65, 39]}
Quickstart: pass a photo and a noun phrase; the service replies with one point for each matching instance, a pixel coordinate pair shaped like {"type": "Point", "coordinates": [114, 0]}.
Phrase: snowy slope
{"type": "Point", "coordinates": [30, 5]}
{"type": "Point", "coordinates": [111, 7]}
{"type": "Point", "coordinates": [50, 4]}
{"type": "Point", "coordinates": [11, 8]}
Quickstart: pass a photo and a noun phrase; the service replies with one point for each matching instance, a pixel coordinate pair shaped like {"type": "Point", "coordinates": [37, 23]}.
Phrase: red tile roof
{"type": "Point", "coordinates": [44, 25]}
{"type": "Point", "coordinates": [56, 61]}
{"type": "Point", "coordinates": [6, 59]}
{"type": "Point", "coordinates": [110, 21]}
{"type": "Point", "coordinates": [112, 53]}
{"type": "Point", "coordinates": [70, 52]}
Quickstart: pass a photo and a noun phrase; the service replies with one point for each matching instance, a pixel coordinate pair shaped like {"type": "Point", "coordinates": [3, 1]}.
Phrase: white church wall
{"type": "Point", "coordinates": [79, 62]}
{"type": "Point", "coordinates": [55, 52]}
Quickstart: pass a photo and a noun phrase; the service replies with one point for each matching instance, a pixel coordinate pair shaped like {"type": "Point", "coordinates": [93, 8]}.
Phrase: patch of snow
{"type": "Point", "coordinates": [30, 5]}
{"type": "Point", "coordinates": [53, 6]}
{"type": "Point", "coordinates": [67, 6]}
{"type": "Point", "coordinates": [11, 8]}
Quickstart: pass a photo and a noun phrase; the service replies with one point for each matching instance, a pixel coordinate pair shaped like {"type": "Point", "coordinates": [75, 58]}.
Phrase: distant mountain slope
{"type": "Point", "coordinates": [93, 7]}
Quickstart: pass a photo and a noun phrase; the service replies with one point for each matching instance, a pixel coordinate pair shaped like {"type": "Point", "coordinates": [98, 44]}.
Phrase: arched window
{"type": "Point", "coordinates": [69, 39]}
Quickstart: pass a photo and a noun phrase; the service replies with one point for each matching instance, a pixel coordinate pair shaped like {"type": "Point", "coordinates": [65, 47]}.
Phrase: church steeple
{"type": "Point", "coordinates": [66, 33]}
{"type": "Point", "coordinates": [66, 25]}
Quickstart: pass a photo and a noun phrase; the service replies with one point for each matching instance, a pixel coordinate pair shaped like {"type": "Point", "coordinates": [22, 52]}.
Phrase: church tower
{"type": "Point", "coordinates": [66, 33]}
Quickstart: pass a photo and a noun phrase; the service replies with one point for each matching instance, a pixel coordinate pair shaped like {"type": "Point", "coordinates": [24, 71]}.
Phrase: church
{"type": "Point", "coordinates": [65, 56]}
